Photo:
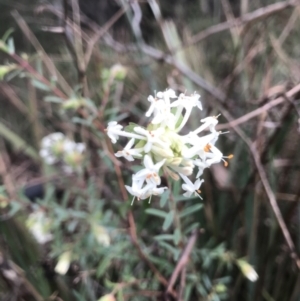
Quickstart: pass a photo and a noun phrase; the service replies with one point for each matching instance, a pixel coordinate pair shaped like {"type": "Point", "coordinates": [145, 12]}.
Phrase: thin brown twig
{"type": "Point", "coordinates": [78, 47]}
{"type": "Point", "coordinates": [156, 272]}
{"type": "Point", "coordinates": [100, 33]}
{"type": "Point", "coordinates": [235, 30]}
{"type": "Point", "coordinates": [267, 186]}
{"type": "Point", "coordinates": [183, 260]}
{"type": "Point", "coordinates": [25, 65]}
{"type": "Point", "coordinates": [182, 284]}
{"type": "Point", "coordinates": [6, 176]}
{"type": "Point", "coordinates": [44, 56]}
{"type": "Point", "coordinates": [14, 99]}
{"type": "Point", "coordinates": [260, 110]}
{"type": "Point", "coordinates": [274, 205]}
{"type": "Point", "coordinates": [261, 13]}
{"type": "Point", "coordinates": [185, 70]}
{"type": "Point", "coordinates": [16, 277]}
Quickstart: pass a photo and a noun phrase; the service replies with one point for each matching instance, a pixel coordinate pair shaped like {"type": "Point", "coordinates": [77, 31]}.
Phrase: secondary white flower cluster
{"type": "Point", "coordinates": [57, 148]}
{"type": "Point", "coordinates": [162, 147]}
{"type": "Point", "coordinates": [39, 226]}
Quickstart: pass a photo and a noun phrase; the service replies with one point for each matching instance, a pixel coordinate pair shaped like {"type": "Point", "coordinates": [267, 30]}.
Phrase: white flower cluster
{"type": "Point", "coordinates": [57, 148]}
{"type": "Point", "coordinates": [162, 147]}
{"type": "Point", "coordinates": [39, 226]}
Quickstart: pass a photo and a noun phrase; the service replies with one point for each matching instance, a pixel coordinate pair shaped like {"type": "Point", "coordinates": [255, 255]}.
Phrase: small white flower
{"type": "Point", "coordinates": [208, 122]}
{"type": "Point", "coordinates": [51, 139]}
{"type": "Point", "coordinates": [201, 166]}
{"type": "Point", "coordinates": [113, 130]}
{"type": "Point", "coordinates": [160, 107]}
{"type": "Point", "coordinates": [48, 157]}
{"type": "Point", "coordinates": [170, 93]}
{"type": "Point", "coordinates": [38, 224]}
{"type": "Point", "coordinates": [128, 152]}
{"type": "Point", "coordinates": [199, 145]}
{"type": "Point", "coordinates": [69, 146]}
{"type": "Point", "coordinates": [186, 169]}
{"type": "Point", "coordinates": [189, 187]}
{"type": "Point", "coordinates": [51, 146]}
{"type": "Point", "coordinates": [152, 137]}
{"type": "Point", "coordinates": [158, 190]}
{"type": "Point", "coordinates": [150, 173]}
{"type": "Point", "coordinates": [187, 102]}
{"type": "Point", "coordinates": [140, 193]}
{"type": "Point", "coordinates": [153, 105]}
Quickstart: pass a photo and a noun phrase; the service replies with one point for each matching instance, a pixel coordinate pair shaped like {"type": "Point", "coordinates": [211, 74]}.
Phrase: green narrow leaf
{"type": "Point", "coordinates": [14, 208]}
{"type": "Point", "coordinates": [191, 228]}
{"type": "Point", "coordinates": [53, 99]}
{"type": "Point", "coordinates": [156, 212]}
{"type": "Point", "coordinates": [190, 210]}
{"type": "Point", "coordinates": [82, 121]}
{"type": "Point", "coordinates": [17, 142]}
{"type": "Point", "coordinates": [164, 237]}
{"type": "Point", "coordinates": [188, 291]}
{"type": "Point", "coordinates": [176, 236]}
{"type": "Point", "coordinates": [164, 198]}
{"type": "Point", "coordinates": [103, 266]}
{"type": "Point", "coordinates": [170, 248]}
{"type": "Point", "coordinates": [7, 34]}
{"type": "Point", "coordinates": [168, 220]}
{"type": "Point", "coordinates": [129, 128]}
{"type": "Point", "coordinates": [161, 261]}
{"type": "Point", "coordinates": [11, 46]}
{"type": "Point", "coordinates": [40, 85]}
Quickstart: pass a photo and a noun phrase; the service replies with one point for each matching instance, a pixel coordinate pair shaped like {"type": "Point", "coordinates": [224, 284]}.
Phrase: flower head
{"type": "Point", "coordinates": [57, 148]}
{"type": "Point", "coordinates": [189, 187]}
{"type": "Point", "coordinates": [112, 131]}
{"type": "Point", "coordinates": [128, 152]}
{"type": "Point", "coordinates": [162, 148]}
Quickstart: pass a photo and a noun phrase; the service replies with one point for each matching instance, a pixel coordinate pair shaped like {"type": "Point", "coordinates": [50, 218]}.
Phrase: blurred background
{"type": "Point", "coordinates": [67, 227]}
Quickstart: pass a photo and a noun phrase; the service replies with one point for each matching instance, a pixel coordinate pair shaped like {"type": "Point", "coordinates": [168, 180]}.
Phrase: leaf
{"type": "Point", "coordinates": [5, 69]}
{"type": "Point", "coordinates": [53, 99]}
{"type": "Point", "coordinates": [164, 198]}
{"type": "Point", "coordinates": [103, 266]}
{"type": "Point", "coordinates": [188, 291]}
{"type": "Point", "coordinates": [164, 237]}
{"type": "Point", "coordinates": [168, 220]}
{"type": "Point", "coordinates": [129, 128]}
{"type": "Point", "coordinates": [170, 248]}
{"type": "Point", "coordinates": [81, 121]}
{"type": "Point", "coordinates": [7, 34]}
{"type": "Point", "coordinates": [14, 208]}
{"type": "Point", "coordinates": [190, 210]}
{"type": "Point", "coordinates": [177, 236]}
{"type": "Point", "coordinates": [17, 142]}
{"type": "Point", "coordinates": [11, 46]}
{"type": "Point", "coordinates": [162, 261]}
{"type": "Point", "coordinates": [156, 212]}
{"type": "Point", "coordinates": [191, 228]}
{"type": "Point", "coordinates": [78, 296]}
{"type": "Point", "coordinates": [39, 85]}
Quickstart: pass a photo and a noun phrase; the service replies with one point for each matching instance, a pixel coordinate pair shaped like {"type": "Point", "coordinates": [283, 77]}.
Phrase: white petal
{"type": "Point", "coordinates": [148, 162]}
